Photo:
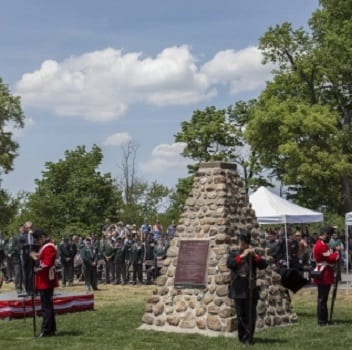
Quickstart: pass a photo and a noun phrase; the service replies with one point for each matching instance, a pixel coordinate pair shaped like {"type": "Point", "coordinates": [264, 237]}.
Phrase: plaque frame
{"type": "Point", "coordinates": [192, 269]}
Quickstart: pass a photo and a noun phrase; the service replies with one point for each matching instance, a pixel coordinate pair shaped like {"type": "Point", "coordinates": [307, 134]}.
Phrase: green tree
{"type": "Point", "coordinates": [149, 202]}
{"type": "Point", "coordinates": [73, 196]}
{"type": "Point", "coordinates": [301, 124]}
{"type": "Point", "coordinates": [8, 210]}
{"type": "Point", "coordinates": [246, 158]}
{"type": "Point", "coordinates": [178, 198]}
{"type": "Point", "coordinates": [219, 135]}
{"type": "Point", "coordinates": [208, 135]}
{"type": "Point", "coordinates": [11, 115]}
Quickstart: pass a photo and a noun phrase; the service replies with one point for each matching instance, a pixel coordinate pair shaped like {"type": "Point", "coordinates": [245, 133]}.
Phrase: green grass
{"type": "Point", "coordinates": [118, 312]}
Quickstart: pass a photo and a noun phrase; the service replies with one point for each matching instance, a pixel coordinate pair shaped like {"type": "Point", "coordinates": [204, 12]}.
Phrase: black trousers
{"type": "Point", "coordinates": [322, 303]}
{"type": "Point", "coordinates": [138, 272]}
{"type": "Point", "coordinates": [18, 275]}
{"type": "Point", "coordinates": [47, 305]}
{"type": "Point", "coordinates": [110, 271]}
{"type": "Point", "coordinates": [91, 277]}
{"type": "Point", "coordinates": [28, 277]}
{"type": "Point", "coordinates": [120, 269]}
{"type": "Point", "coordinates": [67, 272]}
{"type": "Point", "coordinates": [244, 329]}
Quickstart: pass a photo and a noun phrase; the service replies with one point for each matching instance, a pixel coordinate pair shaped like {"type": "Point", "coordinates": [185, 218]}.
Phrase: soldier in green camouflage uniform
{"type": "Point", "coordinates": [119, 262]}
{"type": "Point", "coordinates": [90, 260]}
{"type": "Point", "coordinates": [108, 252]}
{"type": "Point", "coordinates": [137, 257]}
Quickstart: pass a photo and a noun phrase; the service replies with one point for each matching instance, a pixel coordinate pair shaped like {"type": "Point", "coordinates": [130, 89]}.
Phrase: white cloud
{"type": "Point", "coordinates": [101, 85]}
{"type": "Point", "coordinates": [242, 69]}
{"type": "Point", "coordinates": [118, 139]}
{"type": "Point", "coordinates": [165, 157]}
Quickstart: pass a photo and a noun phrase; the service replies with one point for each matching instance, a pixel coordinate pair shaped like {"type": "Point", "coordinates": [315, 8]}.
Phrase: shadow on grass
{"type": "Point", "coordinates": [269, 340]}
{"type": "Point", "coordinates": [305, 314]}
{"type": "Point", "coordinates": [338, 322]}
{"type": "Point", "coordinates": [71, 333]}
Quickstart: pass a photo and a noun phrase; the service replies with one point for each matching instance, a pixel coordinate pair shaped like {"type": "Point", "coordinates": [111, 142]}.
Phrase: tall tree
{"type": "Point", "coordinates": [178, 198]}
{"type": "Point", "coordinates": [218, 134]}
{"type": "Point", "coordinates": [128, 181]}
{"type": "Point", "coordinates": [301, 124]}
{"type": "Point", "coordinates": [8, 209]}
{"type": "Point", "coordinates": [11, 115]}
{"type": "Point", "coordinates": [208, 135]}
{"type": "Point", "coordinates": [141, 199]}
{"type": "Point", "coordinates": [73, 196]}
{"type": "Point", "coordinates": [246, 158]}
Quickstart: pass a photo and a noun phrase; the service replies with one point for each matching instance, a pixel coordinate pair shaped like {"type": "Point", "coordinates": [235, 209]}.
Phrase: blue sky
{"type": "Point", "coordinates": [108, 72]}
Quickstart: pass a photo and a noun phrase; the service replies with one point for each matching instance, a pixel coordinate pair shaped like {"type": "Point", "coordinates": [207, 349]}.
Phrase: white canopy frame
{"type": "Point", "coordinates": [348, 222]}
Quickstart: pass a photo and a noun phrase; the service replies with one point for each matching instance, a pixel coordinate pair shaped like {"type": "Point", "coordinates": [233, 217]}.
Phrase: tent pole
{"type": "Point", "coordinates": [347, 257]}
{"type": "Point", "coordinates": [286, 239]}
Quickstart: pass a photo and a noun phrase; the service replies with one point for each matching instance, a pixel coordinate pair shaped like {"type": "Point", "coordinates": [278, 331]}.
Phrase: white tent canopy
{"type": "Point", "coordinates": [272, 209]}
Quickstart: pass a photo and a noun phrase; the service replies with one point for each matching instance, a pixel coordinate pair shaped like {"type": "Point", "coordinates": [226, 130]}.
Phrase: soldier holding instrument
{"type": "Point", "coordinates": [323, 274]}
{"type": "Point", "coordinates": [243, 264]}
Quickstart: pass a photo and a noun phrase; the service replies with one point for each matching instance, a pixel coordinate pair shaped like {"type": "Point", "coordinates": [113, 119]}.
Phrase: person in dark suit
{"type": "Point", "coordinates": [67, 252]}
{"type": "Point", "coordinates": [29, 245]}
{"type": "Point", "coordinates": [119, 261]}
{"type": "Point", "coordinates": [15, 253]}
{"type": "Point", "coordinates": [243, 264]}
{"type": "Point", "coordinates": [90, 262]}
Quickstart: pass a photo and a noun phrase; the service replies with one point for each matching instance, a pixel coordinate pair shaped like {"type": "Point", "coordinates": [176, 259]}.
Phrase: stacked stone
{"type": "Point", "coordinates": [216, 210]}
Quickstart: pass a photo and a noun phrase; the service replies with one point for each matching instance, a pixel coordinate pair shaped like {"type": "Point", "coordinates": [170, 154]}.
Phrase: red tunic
{"type": "Point", "coordinates": [325, 260]}
{"type": "Point", "coordinates": [46, 277]}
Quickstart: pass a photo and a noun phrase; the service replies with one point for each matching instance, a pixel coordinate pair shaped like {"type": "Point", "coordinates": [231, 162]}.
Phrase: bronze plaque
{"type": "Point", "coordinates": [192, 264]}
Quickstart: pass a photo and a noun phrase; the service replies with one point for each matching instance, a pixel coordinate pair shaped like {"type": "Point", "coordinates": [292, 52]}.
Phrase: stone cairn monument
{"type": "Point", "coordinates": [191, 293]}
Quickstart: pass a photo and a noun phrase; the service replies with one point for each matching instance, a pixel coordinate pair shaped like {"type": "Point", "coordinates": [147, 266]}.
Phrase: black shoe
{"type": "Point", "coordinates": [246, 341]}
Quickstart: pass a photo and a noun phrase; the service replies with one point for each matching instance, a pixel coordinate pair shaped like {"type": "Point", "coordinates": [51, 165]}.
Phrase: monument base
{"type": "Point", "coordinates": [174, 329]}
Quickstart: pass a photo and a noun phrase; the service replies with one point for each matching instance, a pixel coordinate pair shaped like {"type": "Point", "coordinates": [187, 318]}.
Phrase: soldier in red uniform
{"type": "Point", "coordinates": [325, 259]}
{"type": "Point", "coordinates": [243, 265]}
{"type": "Point", "coordinates": [46, 280]}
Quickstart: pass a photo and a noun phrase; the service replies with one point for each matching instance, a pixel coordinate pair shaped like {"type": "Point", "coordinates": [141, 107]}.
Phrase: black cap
{"type": "Point", "coordinates": [245, 237]}
{"type": "Point", "coordinates": [327, 229]}
{"type": "Point", "coordinates": [38, 233]}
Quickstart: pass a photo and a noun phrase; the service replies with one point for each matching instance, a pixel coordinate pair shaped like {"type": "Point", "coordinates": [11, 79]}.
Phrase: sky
{"type": "Point", "coordinates": [109, 72]}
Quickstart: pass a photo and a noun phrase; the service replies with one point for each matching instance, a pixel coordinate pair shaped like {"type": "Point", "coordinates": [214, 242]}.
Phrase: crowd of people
{"type": "Point", "coordinates": [297, 251]}
{"type": "Point", "coordinates": [121, 254]}
{"type": "Point", "coordinates": [127, 254]}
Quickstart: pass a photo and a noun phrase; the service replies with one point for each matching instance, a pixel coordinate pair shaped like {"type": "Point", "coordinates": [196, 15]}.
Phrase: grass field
{"type": "Point", "coordinates": [118, 312]}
